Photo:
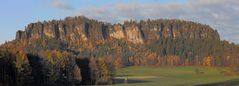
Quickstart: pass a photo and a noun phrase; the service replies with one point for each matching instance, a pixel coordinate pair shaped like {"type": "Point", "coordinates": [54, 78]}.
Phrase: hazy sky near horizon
{"type": "Point", "coordinates": [222, 15]}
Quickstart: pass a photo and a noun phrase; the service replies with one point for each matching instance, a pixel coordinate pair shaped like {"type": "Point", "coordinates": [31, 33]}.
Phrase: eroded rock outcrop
{"type": "Point", "coordinates": [117, 32]}
{"type": "Point", "coordinates": [81, 29]}
{"type": "Point", "coordinates": [134, 34]}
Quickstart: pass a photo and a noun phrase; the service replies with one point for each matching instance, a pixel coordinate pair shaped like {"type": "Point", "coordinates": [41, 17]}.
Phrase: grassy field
{"type": "Point", "coordinates": [175, 76]}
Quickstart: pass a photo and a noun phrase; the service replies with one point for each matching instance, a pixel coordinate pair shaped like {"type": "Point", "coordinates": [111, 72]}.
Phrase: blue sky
{"type": "Point", "coordinates": [222, 15]}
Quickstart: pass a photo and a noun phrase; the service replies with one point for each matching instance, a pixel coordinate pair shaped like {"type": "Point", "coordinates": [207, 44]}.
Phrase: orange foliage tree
{"type": "Point", "coordinates": [208, 61]}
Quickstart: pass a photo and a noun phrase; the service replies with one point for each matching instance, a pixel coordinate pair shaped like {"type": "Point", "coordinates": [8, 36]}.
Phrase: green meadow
{"type": "Point", "coordinates": [175, 76]}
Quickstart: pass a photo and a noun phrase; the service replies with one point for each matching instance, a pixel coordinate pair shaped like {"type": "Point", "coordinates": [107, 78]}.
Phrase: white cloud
{"type": "Point", "coordinates": [61, 4]}
{"type": "Point", "coordinates": [222, 15]}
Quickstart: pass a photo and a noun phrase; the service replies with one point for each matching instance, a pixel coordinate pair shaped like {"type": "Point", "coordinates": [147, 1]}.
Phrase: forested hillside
{"type": "Point", "coordinates": [78, 50]}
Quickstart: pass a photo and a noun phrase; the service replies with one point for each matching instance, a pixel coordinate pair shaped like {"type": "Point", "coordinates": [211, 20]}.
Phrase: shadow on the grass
{"type": "Point", "coordinates": [124, 75]}
{"type": "Point", "coordinates": [234, 82]}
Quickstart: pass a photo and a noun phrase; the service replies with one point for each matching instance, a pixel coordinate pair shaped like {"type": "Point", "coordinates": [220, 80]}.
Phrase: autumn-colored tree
{"type": "Point", "coordinates": [105, 73]}
{"type": "Point", "coordinates": [208, 61]}
{"type": "Point", "coordinates": [173, 60]}
{"type": "Point", "coordinates": [118, 62]}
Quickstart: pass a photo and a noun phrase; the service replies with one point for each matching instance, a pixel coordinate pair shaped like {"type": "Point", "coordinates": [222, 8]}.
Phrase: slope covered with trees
{"type": "Point", "coordinates": [78, 50]}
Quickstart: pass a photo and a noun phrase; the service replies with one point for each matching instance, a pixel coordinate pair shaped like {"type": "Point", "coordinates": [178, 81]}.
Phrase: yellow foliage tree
{"type": "Point", "coordinates": [208, 61]}
{"type": "Point", "coordinates": [118, 62]}
{"type": "Point", "coordinates": [104, 71]}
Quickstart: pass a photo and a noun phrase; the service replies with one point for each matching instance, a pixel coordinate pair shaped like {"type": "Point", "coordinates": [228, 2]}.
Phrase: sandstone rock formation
{"type": "Point", "coordinates": [82, 29]}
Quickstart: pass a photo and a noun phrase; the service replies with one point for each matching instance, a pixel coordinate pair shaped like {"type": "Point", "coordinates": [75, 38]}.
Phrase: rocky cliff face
{"type": "Point", "coordinates": [82, 29]}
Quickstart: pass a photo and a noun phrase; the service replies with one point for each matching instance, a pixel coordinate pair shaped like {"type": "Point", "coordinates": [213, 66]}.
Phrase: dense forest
{"type": "Point", "coordinates": [82, 51]}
